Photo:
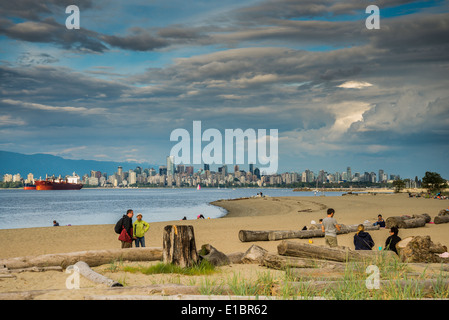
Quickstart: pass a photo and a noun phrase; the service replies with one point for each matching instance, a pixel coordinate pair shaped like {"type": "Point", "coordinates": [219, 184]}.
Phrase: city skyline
{"type": "Point", "coordinates": [337, 92]}
{"type": "Point", "coordinates": [311, 175]}
{"type": "Point", "coordinates": [180, 175]}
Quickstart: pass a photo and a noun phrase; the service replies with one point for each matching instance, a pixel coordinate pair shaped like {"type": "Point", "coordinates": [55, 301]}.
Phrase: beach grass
{"type": "Point", "coordinates": [352, 285]}
{"type": "Point", "coordinates": [201, 268]}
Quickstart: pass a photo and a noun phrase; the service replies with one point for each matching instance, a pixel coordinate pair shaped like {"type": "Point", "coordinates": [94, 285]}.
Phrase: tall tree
{"type": "Point", "coordinates": [433, 182]}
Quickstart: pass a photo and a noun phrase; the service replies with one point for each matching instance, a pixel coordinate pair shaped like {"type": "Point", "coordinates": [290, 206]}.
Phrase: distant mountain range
{"type": "Point", "coordinates": [42, 164]}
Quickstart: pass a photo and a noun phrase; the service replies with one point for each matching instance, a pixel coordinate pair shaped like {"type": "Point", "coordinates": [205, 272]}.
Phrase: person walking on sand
{"type": "Point", "coordinates": [330, 226]}
{"type": "Point", "coordinates": [126, 238]}
{"type": "Point", "coordinates": [362, 239]}
{"type": "Point", "coordinates": [140, 227]}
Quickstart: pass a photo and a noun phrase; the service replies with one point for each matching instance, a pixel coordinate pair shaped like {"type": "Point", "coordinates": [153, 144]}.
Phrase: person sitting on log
{"type": "Point", "coordinates": [362, 239]}
{"type": "Point", "coordinates": [380, 221]}
{"type": "Point", "coordinates": [392, 240]}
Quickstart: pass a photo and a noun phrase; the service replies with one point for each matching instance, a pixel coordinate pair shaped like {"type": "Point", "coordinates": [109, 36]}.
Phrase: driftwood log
{"type": "Point", "coordinates": [422, 286]}
{"type": "Point", "coordinates": [93, 258]}
{"type": "Point", "coordinates": [31, 269]}
{"type": "Point", "coordinates": [420, 249]}
{"type": "Point", "coordinates": [307, 234]}
{"type": "Point", "coordinates": [163, 290]}
{"type": "Point", "coordinates": [404, 222]}
{"type": "Point", "coordinates": [341, 254]}
{"type": "Point", "coordinates": [84, 269]}
{"type": "Point", "coordinates": [235, 257]}
{"type": "Point", "coordinates": [179, 246]}
{"type": "Point", "coordinates": [254, 254]}
{"type": "Point", "coordinates": [441, 219]}
{"type": "Point", "coordinates": [215, 257]}
{"type": "Point", "coordinates": [251, 235]}
{"type": "Point", "coordinates": [279, 262]}
{"type": "Point", "coordinates": [273, 235]}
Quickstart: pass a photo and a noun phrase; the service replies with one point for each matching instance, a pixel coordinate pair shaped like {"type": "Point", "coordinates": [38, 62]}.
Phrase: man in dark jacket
{"type": "Point", "coordinates": [392, 240]}
{"type": "Point", "coordinates": [128, 225]}
{"type": "Point", "coordinates": [362, 239]}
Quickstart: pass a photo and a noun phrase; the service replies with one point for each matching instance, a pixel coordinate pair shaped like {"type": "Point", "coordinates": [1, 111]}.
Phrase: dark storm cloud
{"type": "Point", "coordinates": [50, 31]}
{"type": "Point", "coordinates": [137, 40]}
{"type": "Point", "coordinates": [287, 9]}
{"type": "Point", "coordinates": [35, 10]}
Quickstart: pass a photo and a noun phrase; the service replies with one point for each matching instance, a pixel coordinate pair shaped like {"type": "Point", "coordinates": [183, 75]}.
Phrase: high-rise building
{"type": "Point", "coordinates": [206, 167]}
{"type": "Point", "coordinates": [180, 168]}
{"type": "Point", "coordinates": [348, 174]}
{"type": "Point", "coordinates": [251, 168]}
{"type": "Point", "coordinates": [381, 177]}
{"type": "Point", "coordinates": [257, 173]}
{"type": "Point", "coordinates": [132, 177]}
{"type": "Point", "coordinates": [189, 170]}
{"type": "Point", "coordinates": [170, 165]}
{"type": "Point", "coordinates": [162, 170]}
{"type": "Point", "coordinates": [120, 173]}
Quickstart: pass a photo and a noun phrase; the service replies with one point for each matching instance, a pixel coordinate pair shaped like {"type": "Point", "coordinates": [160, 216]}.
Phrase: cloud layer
{"type": "Point", "coordinates": [339, 94]}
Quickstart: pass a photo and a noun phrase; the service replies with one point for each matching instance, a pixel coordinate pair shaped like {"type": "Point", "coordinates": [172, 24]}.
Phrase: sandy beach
{"type": "Point", "coordinates": [268, 213]}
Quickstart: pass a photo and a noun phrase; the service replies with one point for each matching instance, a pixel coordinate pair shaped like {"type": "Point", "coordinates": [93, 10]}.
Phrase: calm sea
{"type": "Point", "coordinates": [30, 208]}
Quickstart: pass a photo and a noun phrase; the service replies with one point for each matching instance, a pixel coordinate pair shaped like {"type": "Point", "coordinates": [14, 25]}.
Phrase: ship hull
{"type": "Point", "coordinates": [29, 187]}
{"type": "Point", "coordinates": [50, 185]}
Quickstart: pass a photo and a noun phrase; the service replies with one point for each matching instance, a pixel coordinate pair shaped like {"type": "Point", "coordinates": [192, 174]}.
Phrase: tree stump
{"type": "Point", "coordinates": [420, 249]}
{"type": "Point", "coordinates": [179, 246]}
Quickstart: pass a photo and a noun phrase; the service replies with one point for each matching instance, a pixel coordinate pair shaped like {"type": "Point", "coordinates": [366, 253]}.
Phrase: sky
{"type": "Point", "coordinates": [338, 93]}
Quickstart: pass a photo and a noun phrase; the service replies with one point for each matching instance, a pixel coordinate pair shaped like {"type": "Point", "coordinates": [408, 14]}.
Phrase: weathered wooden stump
{"type": "Point", "coordinates": [420, 249]}
{"type": "Point", "coordinates": [179, 246]}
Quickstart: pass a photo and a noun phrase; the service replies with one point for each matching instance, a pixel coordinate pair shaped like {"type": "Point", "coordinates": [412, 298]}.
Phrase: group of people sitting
{"type": "Point", "coordinates": [362, 239]}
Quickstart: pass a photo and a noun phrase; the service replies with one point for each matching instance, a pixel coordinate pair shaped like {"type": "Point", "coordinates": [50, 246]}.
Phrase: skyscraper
{"type": "Point", "coordinates": [120, 174]}
{"type": "Point", "coordinates": [348, 174]}
{"type": "Point", "coordinates": [170, 165]}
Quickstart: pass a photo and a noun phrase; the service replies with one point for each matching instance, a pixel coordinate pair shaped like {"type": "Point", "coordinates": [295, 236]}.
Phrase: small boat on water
{"type": "Point", "coordinates": [198, 187]}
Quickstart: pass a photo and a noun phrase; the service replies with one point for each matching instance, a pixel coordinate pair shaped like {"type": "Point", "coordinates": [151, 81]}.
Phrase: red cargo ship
{"type": "Point", "coordinates": [29, 187]}
{"type": "Point", "coordinates": [70, 183]}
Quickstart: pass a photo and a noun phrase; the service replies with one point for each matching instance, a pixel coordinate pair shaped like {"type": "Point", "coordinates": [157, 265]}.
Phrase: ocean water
{"type": "Point", "coordinates": [31, 208]}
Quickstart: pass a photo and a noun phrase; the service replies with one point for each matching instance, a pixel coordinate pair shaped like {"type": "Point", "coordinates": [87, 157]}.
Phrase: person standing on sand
{"type": "Point", "coordinates": [127, 224]}
{"type": "Point", "coordinates": [140, 227]}
{"type": "Point", "coordinates": [330, 226]}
